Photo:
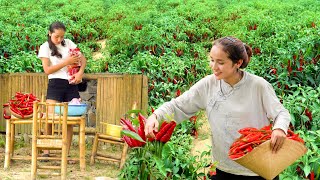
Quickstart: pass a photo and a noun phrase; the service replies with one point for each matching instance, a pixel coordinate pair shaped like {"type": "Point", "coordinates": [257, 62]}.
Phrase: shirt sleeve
{"type": "Point", "coordinates": [275, 110]}
{"type": "Point", "coordinates": [70, 44]}
{"type": "Point", "coordinates": [44, 51]}
{"type": "Point", "coordinates": [186, 105]}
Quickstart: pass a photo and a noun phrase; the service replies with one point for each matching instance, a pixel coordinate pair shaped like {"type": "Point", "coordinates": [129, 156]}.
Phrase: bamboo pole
{"type": "Point", "coordinates": [7, 150]}
{"type": "Point", "coordinates": [82, 144]}
{"type": "Point", "coordinates": [94, 149]}
{"type": "Point", "coordinates": [124, 154]}
{"type": "Point", "coordinates": [34, 143]}
{"type": "Point", "coordinates": [64, 143]}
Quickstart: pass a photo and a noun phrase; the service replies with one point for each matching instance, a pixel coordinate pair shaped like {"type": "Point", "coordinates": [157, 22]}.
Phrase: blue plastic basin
{"type": "Point", "coordinates": [74, 110]}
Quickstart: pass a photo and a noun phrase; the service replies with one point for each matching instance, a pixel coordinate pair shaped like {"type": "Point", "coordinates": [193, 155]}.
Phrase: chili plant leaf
{"type": "Point", "coordinates": [160, 166]}
{"type": "Point", "coordinates": [131, 134]}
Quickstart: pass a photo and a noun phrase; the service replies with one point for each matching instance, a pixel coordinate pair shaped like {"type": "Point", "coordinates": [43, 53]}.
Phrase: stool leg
{"type": "Point", "coordinates": [34, 155]}
{"type": "Point", "coordinates": [8, 145]}
{"type": "Point", "coordinates": [123, 155]}
{"type": "Point", "coordinates": [12, 139]}
{"type": "Point", "coordinates": [94, 149]}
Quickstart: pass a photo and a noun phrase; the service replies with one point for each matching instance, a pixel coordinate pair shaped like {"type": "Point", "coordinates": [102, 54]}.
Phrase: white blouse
{"type": "Point", "coordinates": [249, 103]}
{"type": "Point", "coordinates": [45, 51]}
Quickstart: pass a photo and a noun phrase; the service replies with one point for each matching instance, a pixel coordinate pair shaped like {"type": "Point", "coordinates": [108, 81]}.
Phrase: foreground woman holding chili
{"type": "Point", "coordinates": [233, 99]}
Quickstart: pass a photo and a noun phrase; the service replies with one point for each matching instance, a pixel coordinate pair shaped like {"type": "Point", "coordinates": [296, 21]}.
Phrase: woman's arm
{"type": "Point", "coordinates": [49, 69]}
{"type": "Point", "coordinates": [181, 107]}
{"type": "Point", "coordinates": [279, 114]}
{"type": "Point", "coordinates": [78, 75]}
{"type": "Point", "coordinates": [83, 64]}
{"type": "Point", "coordinates": [274, 109]}
{"type": "Point", "coordinates": [186, 105]}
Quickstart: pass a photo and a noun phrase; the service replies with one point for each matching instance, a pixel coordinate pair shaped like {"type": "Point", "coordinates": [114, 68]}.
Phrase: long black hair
{"type": "Point", "coordinates": [53, 47]}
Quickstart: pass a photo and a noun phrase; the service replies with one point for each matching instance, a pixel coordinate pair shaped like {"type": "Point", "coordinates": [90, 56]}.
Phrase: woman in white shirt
{"type": "Point", "coordinates": [55, 58]}
{"type": "Point", "coordinates": [233, 99]}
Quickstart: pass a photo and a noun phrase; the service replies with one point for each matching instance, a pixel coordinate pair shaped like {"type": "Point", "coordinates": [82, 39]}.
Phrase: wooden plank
{"type": "Point", "coordinates": [4, 97]}
{"type": "Point", "coordinates": [144, 94]}
{"type": "Point", "coordinates": [99, 103]}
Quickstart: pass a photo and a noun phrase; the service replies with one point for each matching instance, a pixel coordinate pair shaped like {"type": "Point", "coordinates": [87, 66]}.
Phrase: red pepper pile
{"type": "Point", "coordinates": [22, 104]}
{"type": "Point", "coordinates": [73, 69]}
{"type": "Point", "coordinates": [137, 137]}
{"type": "Point", "coordinates": [251, 138]}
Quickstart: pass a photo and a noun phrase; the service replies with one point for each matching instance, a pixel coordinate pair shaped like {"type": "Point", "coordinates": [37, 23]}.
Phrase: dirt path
{"type": "Point", "coordinates": [99, 54]}
{"type": "Point", "coordinates": [21, 170]}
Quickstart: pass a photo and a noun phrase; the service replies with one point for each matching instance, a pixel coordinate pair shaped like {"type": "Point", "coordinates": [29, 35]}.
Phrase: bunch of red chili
{"type": "Point", "coordinates": [127, 125]}
{"type": "Point", "coordinates": [252, 137]}
{"type": "Point", "coordinates": [165, 132]}
{"type": "Point", "coordinates": [73, 69]}
{"type": "Point", "coordinates": [163, 135]}
{"type": "Point", "coordinates": [22, 104]}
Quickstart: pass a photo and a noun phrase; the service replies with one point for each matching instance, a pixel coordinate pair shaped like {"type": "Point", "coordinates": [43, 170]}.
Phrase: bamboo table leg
{"type": "Point", "coordinates": [82, 144]}
{"type": "Point", "coordinates": [8, 145]}
{"type": "Point", "coordinates": [12, 139]}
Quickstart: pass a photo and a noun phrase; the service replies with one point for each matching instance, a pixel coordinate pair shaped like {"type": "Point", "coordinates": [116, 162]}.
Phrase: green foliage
{"type": "Point", "coordinates": [2, 141]}
{"type": "Point", "coordinates": [309, 162]}
{"type": "Point", "coordinates": [304, 100]}
{"type": "Point", "coordinates": [23, 29]}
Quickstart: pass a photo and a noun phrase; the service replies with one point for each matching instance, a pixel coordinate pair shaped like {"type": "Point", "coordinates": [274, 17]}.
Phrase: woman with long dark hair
{"type": "Point", "coordinates": [55, 57]}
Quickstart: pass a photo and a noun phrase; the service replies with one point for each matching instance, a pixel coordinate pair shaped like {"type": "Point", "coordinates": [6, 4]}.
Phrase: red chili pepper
{"type": "Point", "coordinates": [290, 133]}
{"type": "Point", "coordinates": [268, 127]}
{"type": "Point", "coordinates": [311, 175]}
{"type": "Point", "coordinates": [296, 138]}
{"type": "Point", "coordinates": [163, 130]}
{"type": "Point", "coordinates": [167, 136]}
{"type": "Point", "coordinates": [246, 131]}
{"type": "Point", "coordinates": [193, 119]}
{"type": "Point", "coordinates": [127, 125]}
{"type": "Point", "coordinates": [129, 141]}
{"type": "Point", "coordinates": [141, 132]}
{"type": "Point", "coordinates": [252, 137]}
{"type": "Point", "coordinates": [164, 123]}
{"type": "Point", "coordinates": [236, 156]}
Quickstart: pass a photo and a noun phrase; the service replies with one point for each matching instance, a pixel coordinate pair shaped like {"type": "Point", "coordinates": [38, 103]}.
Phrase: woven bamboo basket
{"type": "Point", "coordinates": [262, 161]}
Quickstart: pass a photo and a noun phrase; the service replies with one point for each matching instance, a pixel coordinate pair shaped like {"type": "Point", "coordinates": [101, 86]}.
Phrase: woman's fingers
{"type": "Point", "coordinates": [151, 125]}
{"type": "Point", "coordinates": [277, 139]}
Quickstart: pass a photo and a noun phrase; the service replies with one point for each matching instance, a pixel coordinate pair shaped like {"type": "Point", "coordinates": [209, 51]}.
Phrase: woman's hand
{"type": "Point", "coordinates": [73, 60]}
{"type": "Point", "coordinates": [278, 137]}
{"type": "Point", "coordinates": [151, 125]}
{"type": "Point", "coordinates": [77, 78]}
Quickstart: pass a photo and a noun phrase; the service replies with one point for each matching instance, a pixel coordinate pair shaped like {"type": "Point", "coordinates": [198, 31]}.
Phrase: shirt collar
{"type": "Point", "coordinates": [227, 88]}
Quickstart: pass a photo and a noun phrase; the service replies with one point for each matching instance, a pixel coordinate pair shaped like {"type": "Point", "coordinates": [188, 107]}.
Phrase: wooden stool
{"type": "Point", "coordinates": [112, 136]}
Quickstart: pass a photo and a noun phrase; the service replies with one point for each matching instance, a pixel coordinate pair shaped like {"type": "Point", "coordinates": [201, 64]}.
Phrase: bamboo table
{"type": "Point", "coordinates": [10, 128]}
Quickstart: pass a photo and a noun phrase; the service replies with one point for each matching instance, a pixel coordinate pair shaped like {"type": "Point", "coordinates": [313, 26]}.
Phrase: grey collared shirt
{"type": "Point", "coordinates": [251, 102]}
